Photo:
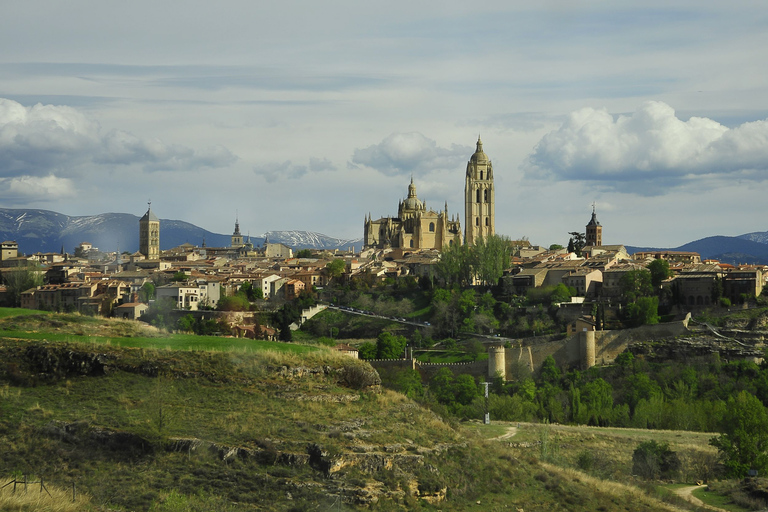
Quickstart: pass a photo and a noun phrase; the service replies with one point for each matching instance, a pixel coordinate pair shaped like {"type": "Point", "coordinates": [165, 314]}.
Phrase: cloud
{"type": "Point", "coordinates": [404, 153]}
{"type": "Point", "coordinates": [650, 150]}
{"type": "Point", "coordinates": [21, 190]}
{"type": "Point", "coordinates": [43, 139]}
{"type": "Point", "coordinates": [290, 171]}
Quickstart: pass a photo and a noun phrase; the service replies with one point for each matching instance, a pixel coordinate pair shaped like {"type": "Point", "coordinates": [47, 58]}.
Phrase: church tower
{"type": "Point", "coordinates": [237, 238]}
{"type": "Point", "coordinates": [479, 203]}
{"type": "Point", "coordinates": [594, 233]}
{"type": "Point", "coordinates": [149, 235]}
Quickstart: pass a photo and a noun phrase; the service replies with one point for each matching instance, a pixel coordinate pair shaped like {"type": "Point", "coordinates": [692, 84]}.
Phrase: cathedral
{"type": "Point", "coordinates": [149, 235]}
{"type": "Point", "coordinates": [416, 227]}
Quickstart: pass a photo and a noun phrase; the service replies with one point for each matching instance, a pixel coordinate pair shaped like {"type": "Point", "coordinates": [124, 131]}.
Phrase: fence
{"type": "Point", "coordinates": [26, 483]}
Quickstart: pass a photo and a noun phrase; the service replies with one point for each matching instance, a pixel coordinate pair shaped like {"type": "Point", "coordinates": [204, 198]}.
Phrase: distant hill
{"type": "Point", "coordinates": [47, 231]}
{"type": "Point", "coordinates": [749, 248]}
{"type": "Point", "coordinates": [311, 240]}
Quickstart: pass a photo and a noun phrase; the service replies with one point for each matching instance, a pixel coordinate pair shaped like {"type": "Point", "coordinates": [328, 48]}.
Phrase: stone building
{"type": "Point", "coordinates": [594, 233]}
{"type": "Point", "coordinates": [479, 197]}
{"type": "Point", "coordinates": [237, 238]}
{"type": "Point", "coordinates": [149, 235]}
{"type": "Point", "coordinates": [415, 227]}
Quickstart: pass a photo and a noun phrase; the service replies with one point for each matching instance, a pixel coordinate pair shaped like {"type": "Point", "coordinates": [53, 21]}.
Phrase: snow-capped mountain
{"type": "Point", "coordinates": [47, 231]}
{"type": "Point", "coordinates": [310, 240]}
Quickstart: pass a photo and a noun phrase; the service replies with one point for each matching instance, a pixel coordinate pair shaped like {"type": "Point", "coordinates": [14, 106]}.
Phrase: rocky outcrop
{"type": "Point", "coordinates": [697, 346]}
{"type": "Point", "coordinates": [63, 362]}
{"type": "Point", "coordinates": [83, 433]}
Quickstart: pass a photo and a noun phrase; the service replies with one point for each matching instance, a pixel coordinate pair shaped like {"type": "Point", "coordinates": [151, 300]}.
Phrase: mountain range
{"type": "Point", "coordinates": [47, 231]}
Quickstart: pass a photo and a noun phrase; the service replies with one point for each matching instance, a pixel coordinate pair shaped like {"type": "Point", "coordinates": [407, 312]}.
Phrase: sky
{"type": "Point", "coordinates": [305, 115]}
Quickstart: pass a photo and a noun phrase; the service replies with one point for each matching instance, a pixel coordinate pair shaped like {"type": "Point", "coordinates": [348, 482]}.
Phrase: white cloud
{"type": "Point", "coordinates": [23, 189]}
{"type": "Point", "coordinates": [38, 140]}
{"type": "Point", "coordinates": [404, 153]}
{"type": "Point", "coordinates": [649, 150]}
{"type": "Point", "coordinates": [288, 170]}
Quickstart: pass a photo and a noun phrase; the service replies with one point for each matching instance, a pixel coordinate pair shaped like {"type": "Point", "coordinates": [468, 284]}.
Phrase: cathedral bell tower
{"type": "Point", "coordinates": [149, 235]}
{"type": "Point", "coordinates": [594, 233]}
{"type": "Point", "coordinates": [237, 238]}
{"type": "Point", "coordinates": [479, 197]}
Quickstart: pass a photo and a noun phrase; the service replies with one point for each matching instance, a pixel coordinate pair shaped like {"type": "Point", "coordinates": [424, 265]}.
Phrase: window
{"type": "Point", "coordinates": [487, 221]}
{"type": "Point", "coordinates": [477, 221]}
{"type": "Point", "coordinates": [478, 196]}
{"type": "Point", "coordinates": [411, 243]}
{"type": "Point", "coordinates": [485, 196]}
{"type": "Point", "coordinates": [432, 227]}
{"type": "Point", "coordinates": [481, 174]}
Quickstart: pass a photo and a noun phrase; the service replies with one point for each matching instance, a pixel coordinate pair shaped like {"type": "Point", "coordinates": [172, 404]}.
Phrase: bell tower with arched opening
{"type": "Point", "coordinates": [479, 197]}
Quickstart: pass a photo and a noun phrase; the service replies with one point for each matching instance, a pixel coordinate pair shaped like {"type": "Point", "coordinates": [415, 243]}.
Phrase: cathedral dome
{"type": "Point", "coordinates": [479, 156]}
{"type": "Point", "coordinates": [412, 202]}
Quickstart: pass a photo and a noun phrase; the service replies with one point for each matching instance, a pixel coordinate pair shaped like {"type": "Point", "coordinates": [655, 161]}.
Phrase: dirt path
{"type": "Point", "coordinates": [685, 493]}
{"type": "Point", "coordinates": [511, 431]}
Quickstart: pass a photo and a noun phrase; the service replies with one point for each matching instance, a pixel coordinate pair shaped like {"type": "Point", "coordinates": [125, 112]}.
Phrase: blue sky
{"type": "Point", "coordinates": [302, 115]}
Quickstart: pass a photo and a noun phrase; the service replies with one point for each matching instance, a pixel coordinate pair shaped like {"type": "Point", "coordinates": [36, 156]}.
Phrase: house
{"type": "Point", "coordinates": [293, 289]}
{"type": "Point", "coordinates": [346, 350]}
{"type": "Point", "coordinates": [131, 310]}
{"type": "Point", "coordinates": [671, 256]}
{"type": "Point", "coordinates": [277, 251]}
{"type": "Point", "coordinates": [184, 295]}
{"type": "Point", "coordinates": [740, 283]}
{"type": "Point", "coordinates": [580, 324]}
{"type": "Point", "coordinates": [586, 281]}
{"type": "Point", "coordinates": [8, 250]}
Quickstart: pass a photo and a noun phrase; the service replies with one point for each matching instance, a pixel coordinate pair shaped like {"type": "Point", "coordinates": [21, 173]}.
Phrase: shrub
{"type": "Point", "coordinates": [652, 460]}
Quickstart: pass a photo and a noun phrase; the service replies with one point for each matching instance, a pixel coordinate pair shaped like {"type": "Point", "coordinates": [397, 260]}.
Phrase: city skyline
{"type": "Point", "coordinates": [300, 117]}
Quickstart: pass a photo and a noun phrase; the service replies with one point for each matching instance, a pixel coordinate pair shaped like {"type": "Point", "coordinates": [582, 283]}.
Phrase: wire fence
{"type": "Point", "coordinates": [24, 484]}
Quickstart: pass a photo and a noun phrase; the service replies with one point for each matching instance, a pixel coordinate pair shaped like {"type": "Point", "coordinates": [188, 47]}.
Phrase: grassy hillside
{"type": "Point", "coordinates": [142, 428]}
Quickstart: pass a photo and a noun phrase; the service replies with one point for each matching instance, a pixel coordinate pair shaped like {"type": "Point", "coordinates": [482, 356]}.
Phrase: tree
{"type": "Point", "coordinates": [464, 389]}
{"type": "Point", "coordinates": [390, 346]}
{"type": "Point", "coordinates": [556, 247]}
{"type": "Point", "coordinates": [18, 281]}
{"type": "Point", "coordinates": [236, 302]}
{"type": "Point", "coordinates": [577, 242]}
{"type": "Point", "coordinates": [304, 253]}
{"type": "Point", "coordinates": [644, 311]}
{"type": "Point", "coordinates": [336, 268]}
{"type": "Point", "coordinates": [636, 283]}
{"type": "Point", "coordinates": [367, 350]}
{"type": "Point", "coordinates": [743, 442]}
{"type": "Point", "coordinates": [490, 257]}
{"type": "Point", "coordinates": [178, 277]}
{"type": "Point", "coordinates": [147, 292]}
{"type": "Point", "coordinates": [659, 270]}
{"type": "Point", "coordinates": [652, 460]}
{"type": "Point", "coordinates": [455, 265]}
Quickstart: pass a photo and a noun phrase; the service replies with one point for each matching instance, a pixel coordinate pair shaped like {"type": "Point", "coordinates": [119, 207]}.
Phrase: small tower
{"type": "Point", "coordinates": [237, 238]}
{"type": "Point", "coordinates": [594, 233]}
{"type": "Point", "coordinates": [149, 234]}
{"type": "Point", "coordinates": [479, 202]}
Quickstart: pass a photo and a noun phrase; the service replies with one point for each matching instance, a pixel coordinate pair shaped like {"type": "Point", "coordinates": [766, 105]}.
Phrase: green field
{"type": "Point", "coordinates": [28, 324]}
{"type": "Point", "coordinates": [170, 342]}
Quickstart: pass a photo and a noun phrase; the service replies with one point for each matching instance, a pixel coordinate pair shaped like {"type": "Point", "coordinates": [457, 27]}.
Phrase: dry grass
{"type": "Point", "coordinates": [625, 493]}
{"type": "Point", "coordinates": [35, 500]}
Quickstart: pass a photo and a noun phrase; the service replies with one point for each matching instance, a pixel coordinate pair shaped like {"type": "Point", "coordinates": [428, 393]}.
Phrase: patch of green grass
{"type": "Point", "coordinates": [486, 431]}
{"type": "Point", "coordinates": [714, 499]}
{"type": "Point", "coordinates": [11, 312]}
{"type": "Point", "coordinates": [449, 356]}
{"type": "Point", "coordinates": [172, 342]}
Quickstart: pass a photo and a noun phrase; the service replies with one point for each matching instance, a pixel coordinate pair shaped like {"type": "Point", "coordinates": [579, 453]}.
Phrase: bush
{"type": "Point", "coordinates": [652, 460]}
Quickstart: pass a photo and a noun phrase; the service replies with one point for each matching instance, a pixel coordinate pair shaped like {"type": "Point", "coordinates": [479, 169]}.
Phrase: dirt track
{"type": "Point", "coordinates": [685, 493]}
